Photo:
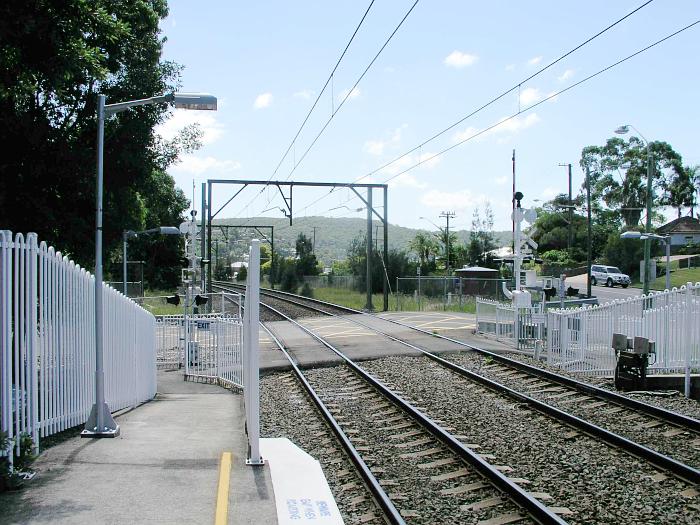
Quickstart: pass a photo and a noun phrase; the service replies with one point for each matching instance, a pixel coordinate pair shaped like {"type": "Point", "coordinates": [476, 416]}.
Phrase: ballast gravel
{"type": "Point", "coordinates": [597, 483]}
{"type": "Point", "coordinates": [646, 430]}
{"type": "Point", "coordinates": [676, 402]}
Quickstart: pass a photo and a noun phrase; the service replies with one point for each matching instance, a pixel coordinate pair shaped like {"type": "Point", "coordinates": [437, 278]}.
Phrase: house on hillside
{"type": "Point", "coordinates": [684, 230]}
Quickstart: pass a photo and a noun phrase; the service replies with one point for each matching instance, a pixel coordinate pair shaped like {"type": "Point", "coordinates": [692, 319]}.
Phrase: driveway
{"type": "Point", "coordinates": [604, 294]}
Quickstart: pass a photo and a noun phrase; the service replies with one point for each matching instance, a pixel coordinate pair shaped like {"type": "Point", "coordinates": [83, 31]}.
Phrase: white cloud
{"type": "Point", "coordinates": [530, 96]}
{"type": "Point", "coordinates": [263, 101]}
{"type": "Point", "coordinates": [466, 134]}
{"type": "Point", "coordinates": [517, 124]}
{"type": "Point", "coordinates": [199, 165]}
{"type": "Point", "coordinates": [549, 193]}
{"type": "Point", "coordinates": [304, 93]}
{"type": "Point", "coordinates": [510, 67]}
{"type": "Point", "coordinates": [534, 61]}
{"type": "Point", "coordinates": [454, 200]}
{"type": "Point", "coordinates": [566, 75]}
{"type": "Point", "coordinates": [212, 130]}
{"type": "Point", "coordinates": [349, 94]}
{"type": "Point", "coordinates": [458, 59]}
{"type": "Point", "coordinates": [552, 94]}
{"type": "Point", "coordinates": [407, 180]}
{"type": "Point", "coordinates": [374, 147]}
{"type": "Point", "coordinates": [500, 181]}
{"type": "Point", "coordinates": [428, 160]}
{"type": "Point", "coordinates": [505, 125]}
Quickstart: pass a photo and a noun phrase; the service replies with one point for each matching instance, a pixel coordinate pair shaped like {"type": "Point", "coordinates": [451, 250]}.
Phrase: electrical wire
{"type": "Point", "coordinates": [495, 99]}
{"type": "Point", "coordinates": [546, 99]}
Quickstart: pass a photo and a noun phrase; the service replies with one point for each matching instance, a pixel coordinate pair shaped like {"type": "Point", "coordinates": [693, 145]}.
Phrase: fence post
{"type": "Point", "coordinates": [689, 345]}
{"type": "Point", "coordinates": [252, 386]}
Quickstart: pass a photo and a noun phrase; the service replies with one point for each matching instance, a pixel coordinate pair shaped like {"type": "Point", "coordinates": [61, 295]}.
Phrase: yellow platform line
{"type": "Point", "coordinates": [221, 517]}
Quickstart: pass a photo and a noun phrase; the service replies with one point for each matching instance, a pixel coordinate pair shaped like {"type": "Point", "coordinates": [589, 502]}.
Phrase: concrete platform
{"type": "Point", "coordinates": [360, 343]}
{"type": "Point", "coordinates": [163, 468]}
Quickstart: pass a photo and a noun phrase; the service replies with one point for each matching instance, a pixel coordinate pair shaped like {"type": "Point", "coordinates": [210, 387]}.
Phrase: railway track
{"type": "Point", "coordinates": [669, 433]}
{"type": "Point", "coordinates": [571, 427]}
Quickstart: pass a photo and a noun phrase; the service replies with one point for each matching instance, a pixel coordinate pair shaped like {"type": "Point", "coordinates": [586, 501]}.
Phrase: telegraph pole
{"type": "Point", "coordinates": [313, 249]}
{"type": "Point", "coordinates": [448, 215]}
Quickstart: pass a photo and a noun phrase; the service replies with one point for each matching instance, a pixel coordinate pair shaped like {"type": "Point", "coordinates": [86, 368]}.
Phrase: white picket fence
{"type": "Point", "coordinates": [580, 340]}
{"type": "Point", "coordinates": [47, 336]}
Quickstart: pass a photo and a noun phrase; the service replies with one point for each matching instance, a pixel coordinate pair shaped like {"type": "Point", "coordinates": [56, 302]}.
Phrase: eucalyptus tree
{"type": "Point", "coordinates": [618, 172]}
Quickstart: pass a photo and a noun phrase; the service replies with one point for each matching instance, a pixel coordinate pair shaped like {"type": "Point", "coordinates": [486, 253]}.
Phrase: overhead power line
{"type": "Point", "coordinates": [313, 106]}
{"type": "Point", "coordinates": [493, 100]}
{"type": "Point", "coordinates": [506, 92]}
{"type": "Point", "coordinates": [335, 111]}
{"type": "Point", "coordinates": [549, 97]}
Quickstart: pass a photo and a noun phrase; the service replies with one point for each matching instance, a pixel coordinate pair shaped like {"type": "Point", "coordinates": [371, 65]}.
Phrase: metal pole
{"type": "Point", "coordinates": [588, 206]}
{"type": "Point", "coordinates": [386, 250]}
{"type": "Point", "coordinates": [647, 242]}
{"type": "Point", "coordinates": [202, 237]}
{"type": "Point", "coordinates": [369, 250]}
{"type": "Point", "coordinates": [571, 216]}
{"type": "Point", "coordinates": [668, 263]}
{"type": "Point", "coordinates": [124, 238]}
{"type": "Point", "coordinates": [513, 200]}
{"type": "Point", "coordinates": [142, 283]}
{"type": "Point", "coordinates": [272, 257]}
{"type": "Point", "coordinates": [209, 270]}
{"type": "Point", "coordinates": [100, 422]}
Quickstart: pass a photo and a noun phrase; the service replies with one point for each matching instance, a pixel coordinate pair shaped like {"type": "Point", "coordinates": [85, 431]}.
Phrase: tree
{"type": "Point", "coordinates": [55, 57]}
{"type": "Point", "coordinates": [398, 265]}
{"type": "Point", "coordinates": [481, 240]}
{"type": "Point", "coordinates": [618, 173]}
{"type": "Point", "coordinates": [306, 263]}
{"type": "Point", "coordinates": [425, 247]}
{"type": "Point", "coordinates": [679, 189]}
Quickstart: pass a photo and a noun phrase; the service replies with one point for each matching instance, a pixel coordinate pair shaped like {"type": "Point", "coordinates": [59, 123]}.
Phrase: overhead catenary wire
{"type": "Point", "coordinates": [494, 99]}
{"type": "Point", "coordinates": [329, 80]}
{"type": "Point", "coordinates": [546, 99]}
{"type": "Point", "coordinates": [335, 110]}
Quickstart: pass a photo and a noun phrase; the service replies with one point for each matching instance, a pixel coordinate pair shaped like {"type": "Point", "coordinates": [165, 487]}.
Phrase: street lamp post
{"type": "Point", "coordinates": [666, 239]}
{"type": "Point", "coordinates": [622, 130]}
{"type": "Point", "coordinates": [100, 423]}
{"type": "Point", "coordinates": [127, 234]}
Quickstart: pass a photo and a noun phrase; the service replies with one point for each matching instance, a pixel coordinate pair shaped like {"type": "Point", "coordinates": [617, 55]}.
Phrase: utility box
{"type": "Point", "coordinates": [522, 299]}
{"type": "Point", "coordinates": [632, 361]}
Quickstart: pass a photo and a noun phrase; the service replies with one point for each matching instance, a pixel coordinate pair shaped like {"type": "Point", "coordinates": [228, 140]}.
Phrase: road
{"type": "Point", "coordinates": [604, 294]}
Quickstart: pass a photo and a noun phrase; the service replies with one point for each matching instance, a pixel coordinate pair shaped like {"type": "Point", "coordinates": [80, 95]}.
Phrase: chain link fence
{"type": "Point", "coordinates": [444, 293]}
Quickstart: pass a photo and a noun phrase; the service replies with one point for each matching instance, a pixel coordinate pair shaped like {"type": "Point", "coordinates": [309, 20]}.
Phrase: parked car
{"type": "Point", "coordinates": [609, 276]}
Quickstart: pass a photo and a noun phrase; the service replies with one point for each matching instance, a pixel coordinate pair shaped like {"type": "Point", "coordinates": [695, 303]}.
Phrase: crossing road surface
{"type": "Point", "coordinates": [604, 294]}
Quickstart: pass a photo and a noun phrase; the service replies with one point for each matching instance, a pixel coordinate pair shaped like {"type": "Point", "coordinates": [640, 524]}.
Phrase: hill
{"type": "Point", "coordinates": [333, 235]}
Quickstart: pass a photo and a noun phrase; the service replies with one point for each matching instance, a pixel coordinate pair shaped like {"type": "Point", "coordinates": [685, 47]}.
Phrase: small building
{"type": "Point", "coordinates": [477, 280]}
{"type": "Point", "coordinates": [683, 230]}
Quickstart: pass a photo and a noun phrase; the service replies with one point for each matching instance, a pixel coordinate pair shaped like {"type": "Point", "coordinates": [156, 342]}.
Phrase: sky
{"type": "Point", "coordinates": [268, 61]}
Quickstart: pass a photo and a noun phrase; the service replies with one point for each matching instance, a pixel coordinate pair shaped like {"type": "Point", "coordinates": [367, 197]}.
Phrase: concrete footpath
{"type": "Point", "coordinates": [163, 468]}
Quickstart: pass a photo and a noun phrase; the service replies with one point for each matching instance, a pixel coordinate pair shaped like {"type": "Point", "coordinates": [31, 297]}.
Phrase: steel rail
{"type": "Point", "coordinates": [675, 467]}
{"type": "Point", "coordinates": [669, 416]}
{"type": "Point", "coordinates": [536, 509]}
{"type": "Point", "coordinates": [380, 496]}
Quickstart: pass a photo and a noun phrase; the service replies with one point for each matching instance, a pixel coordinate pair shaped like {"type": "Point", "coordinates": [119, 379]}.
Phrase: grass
{"type": "Point", "coordinates": [358, 300]}
{"type": "Point", "coordinates": [157, 305]}
{"type": "Point", "coordinates": [678, 279]}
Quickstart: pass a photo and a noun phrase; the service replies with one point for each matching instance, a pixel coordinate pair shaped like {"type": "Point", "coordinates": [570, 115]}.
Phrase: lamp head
{"type": "Point", "coordinates": [622, 130]}
{"type": "Point", "coordinates": [197, 101]}
{"type": "Point", "coordinates": [631, 235]}
{"type": "Point", "coordinates": [169, 230]}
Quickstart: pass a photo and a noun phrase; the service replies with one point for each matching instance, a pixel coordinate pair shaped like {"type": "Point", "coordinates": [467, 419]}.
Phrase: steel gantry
{"type": "Point", "coordinates": [257, 227]}
{"type": "Point", "coordinates": [288, 202]}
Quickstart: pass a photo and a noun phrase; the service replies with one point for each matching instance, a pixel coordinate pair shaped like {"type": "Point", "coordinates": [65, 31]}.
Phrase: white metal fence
{"type": "Point", "coordinates": [580, 340]}
{"type": "Point", "coordinates": [221, 349]}
{"type": "Point", "coordinates": [523, 328]}
{"type": "Point", "coordinates": [47, 354]}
